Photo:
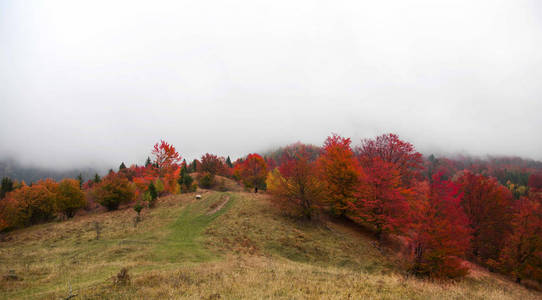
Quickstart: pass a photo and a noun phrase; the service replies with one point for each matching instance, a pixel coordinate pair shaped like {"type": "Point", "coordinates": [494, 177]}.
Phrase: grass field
{"type": "Point", "coordinates": [226, 246]}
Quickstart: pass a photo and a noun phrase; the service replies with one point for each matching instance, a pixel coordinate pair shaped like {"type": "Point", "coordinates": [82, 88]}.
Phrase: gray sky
{"type": "Point", "coordinates": [100, 81]}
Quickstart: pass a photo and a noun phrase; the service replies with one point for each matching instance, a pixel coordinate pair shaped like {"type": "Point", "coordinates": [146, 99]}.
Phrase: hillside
{"type": "Point", "coordinates": [227, 245]}
{"type": "Point", "coordinates": [15, 170]}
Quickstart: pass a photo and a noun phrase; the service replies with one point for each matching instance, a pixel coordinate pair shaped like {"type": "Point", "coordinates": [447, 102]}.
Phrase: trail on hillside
{"type": "Point", "coordinates": [184, 242]}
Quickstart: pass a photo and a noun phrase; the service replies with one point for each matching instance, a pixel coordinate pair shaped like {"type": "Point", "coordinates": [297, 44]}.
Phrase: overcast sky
{"type": "Point", "coordinates": [99, 82]}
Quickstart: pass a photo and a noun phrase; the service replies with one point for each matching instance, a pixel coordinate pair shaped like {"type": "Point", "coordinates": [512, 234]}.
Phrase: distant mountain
{"type": "Point", "coordinates": [14, 170]}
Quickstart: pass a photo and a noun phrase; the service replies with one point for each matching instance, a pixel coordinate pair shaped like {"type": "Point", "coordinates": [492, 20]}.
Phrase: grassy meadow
{"type": "Point", "coordinates": [228, 245]}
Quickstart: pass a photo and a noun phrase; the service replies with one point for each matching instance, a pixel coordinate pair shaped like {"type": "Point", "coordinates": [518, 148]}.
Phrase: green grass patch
{"type": "Point", "coordinates": [184, 241]}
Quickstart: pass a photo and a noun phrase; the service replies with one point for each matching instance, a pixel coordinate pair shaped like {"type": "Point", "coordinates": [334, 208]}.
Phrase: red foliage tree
{"type": "Point", "coordinates": [212, 164]}
{"type": "Point", "coordinates": [390, 167]}
{"type": "Point", "coordinates": [252, 171]}
{"type": "Point", "coordinates": [441, 232]}
{"type": "Point", "coordinates": [382, 200]}
{"type": "Point", "coordinates": [535, 183]}
{"type": "Point", "coordinates": [340, 172]}
{"type": "Point", "coordinates": [390, 149]}
{"type": "Point", "coordinates": [522, 254]}
{"type": "Point", "coordinates": [488, 205]}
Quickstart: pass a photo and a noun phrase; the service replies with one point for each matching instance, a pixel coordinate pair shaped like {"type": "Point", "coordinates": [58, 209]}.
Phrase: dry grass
{"type": "Point", "coordinates": [246, 249]}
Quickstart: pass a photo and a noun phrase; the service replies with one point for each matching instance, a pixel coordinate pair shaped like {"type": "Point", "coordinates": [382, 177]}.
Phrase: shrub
{"type": "Point", "coordinates": [114, 190]}
{"type": "Point", "coordinates": [206, 180]}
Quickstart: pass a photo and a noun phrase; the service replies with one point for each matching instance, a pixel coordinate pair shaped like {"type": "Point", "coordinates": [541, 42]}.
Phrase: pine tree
{"type": "Point", "coordinates": [194, 166]}
{"type": "Point", "coordinates": [153, 192]}
{"type": "Point", "coordinates": [122, 166]}
{"type": "Point", "coordinates": [7, 186]}
{"type": "Point", "coordinates": [148, 162]}
{"type": "Point", "coordinates": [80, 178]}
{"type": "Point", "coordinates": [97, 178]}
{"type": "Point", "coordinates": [228, 162]}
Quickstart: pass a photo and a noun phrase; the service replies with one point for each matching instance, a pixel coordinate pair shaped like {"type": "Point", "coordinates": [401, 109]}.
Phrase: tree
{"type": "Point", "coordinates": [148, 162]}
{"type": "Point", "coordinates": [206, 180]}
{"type": "Point", "coordinates": [340, 172]}
{"type": "Point", "coordinates": [488, 206]}
{"type": "Point", "coordinates": [185, 180]}
{"type": "Point", "coordinates": [69, 197]}
{"type": "Point", "coordinates": [122, 166]}
{"type": "Point", "coordinates": [194, 165]}
{"type": "Point", "coordinates": [252, 172]}
{"type": "Point", "coordinates": [535, 183]}
{"type": "Point", "coordinates": [80, 179]}
{"type": "Point", "coordinates": [153, 193]}
{"type": "Point", "coordinates": [6, 187]}
{"type": "Point", "coordinates": [228, 162]}
{"type": "Point", "coordinates": [522, 253]}
{"type": "Point", "coordinates": [166, 158]}
{"type": "Point", "coordinates": [29, 205]}
{"type": "Point", "coordinates": [114, 190]}
{"type": "Point", "coordinates": [295, 184]}
{"type": "Point", "coordinates": [381, 198]}
{"type": "Point", "coordinates": [441, 233]}
{"type": "Point", "coordinates": [390, 149]}
{"type": "Point", "coordinates": [97, 178]}
{"type": "Point", "coordinates": [212, 164]}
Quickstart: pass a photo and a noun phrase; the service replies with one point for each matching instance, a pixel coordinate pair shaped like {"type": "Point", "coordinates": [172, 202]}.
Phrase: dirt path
{"type": "Point", "coordinates": [219, 207]}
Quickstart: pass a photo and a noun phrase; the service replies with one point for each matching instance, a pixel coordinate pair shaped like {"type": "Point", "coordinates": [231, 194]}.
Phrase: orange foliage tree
{"type": "Point", "coordinates": [114, 190]}
{"type": "Point", "coordinates": [69, 197]}
{"type": "Point", "coordinates": [340, 172]}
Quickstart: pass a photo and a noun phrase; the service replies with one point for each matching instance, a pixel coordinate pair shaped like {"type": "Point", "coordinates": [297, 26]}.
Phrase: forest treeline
{"type": "Point", "coordinates": [445, 211]}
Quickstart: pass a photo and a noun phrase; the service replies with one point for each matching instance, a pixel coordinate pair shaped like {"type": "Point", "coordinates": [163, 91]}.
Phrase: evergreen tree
{"type": "Point", "coordinates": [7, 186]}
{"type": "Point", "coordinates": [122, 166]}
{"type": "Point", "coordinates": [184, 171]}
{"type": "Point", "coordinates": [80, 178]}
{"type": "Point", "coordinates": [194, 166]}
{"type": "Point", "coordinates": [148, 162]}
{"type": "Point", "coordinates": [153, 193]}
{"type": "Point", "coordinates": [97, 178]}
{"type": "Point", "coordinates": [228, 162]}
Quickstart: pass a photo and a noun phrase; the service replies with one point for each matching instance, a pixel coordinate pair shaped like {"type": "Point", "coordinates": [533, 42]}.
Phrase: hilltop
{"type": "Point", "coordinates": [228, 245]}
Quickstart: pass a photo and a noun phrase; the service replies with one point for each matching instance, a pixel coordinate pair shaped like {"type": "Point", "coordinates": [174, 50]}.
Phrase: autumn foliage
{"type": "Point", "coordinates": [295, 184]}
{"type": "Point", "coordinates": [114, 190]}
{"type": "Point", "coordinates": [340, 173]}
{"type": "Point", "coordinates": [488, 205]}
{"type": "Point", "coordinates": [252, 171]}
{"type": "Point", "coordinates": [41, 202]}
{"type": "Point", "coordinates": [521, 255]}
{"type": "Point", "coordinates": [442, 210]}
{"type": "Point", "coordinates": [441, 234]}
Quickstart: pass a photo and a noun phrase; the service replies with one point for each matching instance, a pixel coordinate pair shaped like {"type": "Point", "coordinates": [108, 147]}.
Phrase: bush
{"type": "Point", "coordinates": [186, 181]}
{"type": "Point", "coordinates": [113, 191]}
{"type": "Point", "coordinates": [206, 180]}
{"type": "Point", "coordinates": [159, 186]}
